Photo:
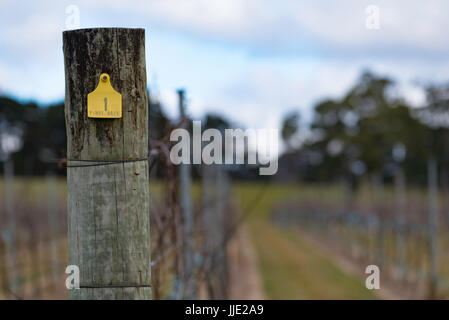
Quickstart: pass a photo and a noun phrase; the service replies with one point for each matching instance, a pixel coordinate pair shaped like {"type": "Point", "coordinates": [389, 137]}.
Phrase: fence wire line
{"type": "Point", "coordinates": [162, 148]}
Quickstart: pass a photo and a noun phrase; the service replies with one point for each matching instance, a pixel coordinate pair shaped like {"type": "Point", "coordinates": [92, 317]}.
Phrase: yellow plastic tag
{"type": "Point", "coordinates": [104, 101]}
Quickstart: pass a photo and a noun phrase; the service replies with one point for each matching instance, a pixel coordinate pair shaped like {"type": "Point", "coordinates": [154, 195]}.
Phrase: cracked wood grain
{"type": "Point", "coordinates": [108, 206]}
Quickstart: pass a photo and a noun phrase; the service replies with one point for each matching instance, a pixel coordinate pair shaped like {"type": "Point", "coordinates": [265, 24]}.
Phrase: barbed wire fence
{"type": "Point", "coordinates": [37, 268]}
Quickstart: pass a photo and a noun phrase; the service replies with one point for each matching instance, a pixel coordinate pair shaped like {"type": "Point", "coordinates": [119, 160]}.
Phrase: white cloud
{"type": "Point", "coordinates": [291, 26]}
{"type": "Point", "coordinates": [331, 26]}
{"type": "Point", "coordinates": [251, 60]}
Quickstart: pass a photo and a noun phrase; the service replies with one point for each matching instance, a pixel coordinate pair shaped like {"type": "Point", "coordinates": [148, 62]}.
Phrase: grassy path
{"type": "Point", "coordinates": [291, 267]}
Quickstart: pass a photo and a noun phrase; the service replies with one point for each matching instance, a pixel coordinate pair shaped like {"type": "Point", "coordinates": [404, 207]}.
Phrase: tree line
{"type": "Point", "coordinates": [368, 134]}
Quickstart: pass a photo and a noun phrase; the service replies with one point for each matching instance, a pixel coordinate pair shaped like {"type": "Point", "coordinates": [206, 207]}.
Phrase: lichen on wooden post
{"type": "Point", "coordinates": [108, 205]}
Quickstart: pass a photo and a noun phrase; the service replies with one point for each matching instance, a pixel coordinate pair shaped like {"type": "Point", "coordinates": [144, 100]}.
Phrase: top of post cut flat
{"type": "Point", "coordinates": [83, 30]}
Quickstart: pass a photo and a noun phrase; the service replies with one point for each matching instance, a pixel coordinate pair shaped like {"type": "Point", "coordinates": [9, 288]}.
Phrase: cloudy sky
{"type": "Point", "coordinates": [250, 60]}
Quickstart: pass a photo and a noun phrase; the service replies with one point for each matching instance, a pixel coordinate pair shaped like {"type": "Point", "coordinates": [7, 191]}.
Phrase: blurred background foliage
{"type": "Point", "coordinates": [363, 135]}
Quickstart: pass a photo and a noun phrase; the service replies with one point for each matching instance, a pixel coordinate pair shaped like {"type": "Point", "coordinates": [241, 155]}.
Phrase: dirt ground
{"type": "Point", "coordinates": [245, 279]}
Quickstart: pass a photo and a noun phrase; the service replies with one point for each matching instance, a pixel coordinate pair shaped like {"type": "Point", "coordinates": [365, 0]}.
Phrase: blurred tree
{"type": "Point", "coordinates": [357, 134]}
{"type": "Point", "coordinates": [43, 135]}
{"type": "Point", "coordinates": [290, 129]}
{"type": "Point", "coordinates": [158, 122]}
{"type": "Point", "coordinates": [215, 121]}
{"type": "Point", "coordinates": [435, 116]}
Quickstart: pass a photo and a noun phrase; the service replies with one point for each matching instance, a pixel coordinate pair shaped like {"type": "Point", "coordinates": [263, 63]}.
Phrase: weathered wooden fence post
{"type": "Point", "coordinates": [209, 199]}
{"type": "Point", "coordinates": [215, 192]}
{"type": "Point", "coordinates": [185, 182]}
{"type": "Point", "coordinates": [433, 225]}
{"type": "Point", "coordinates": [401, 200]}
{"type": "Point", "coordinates": [222, 193]}
{"type": "Point", "coordinates": [53, 224]}
{"type": "Point", "coordinates": [11, 234]}
{"type": "Point", "coordinates": [108, 202]}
